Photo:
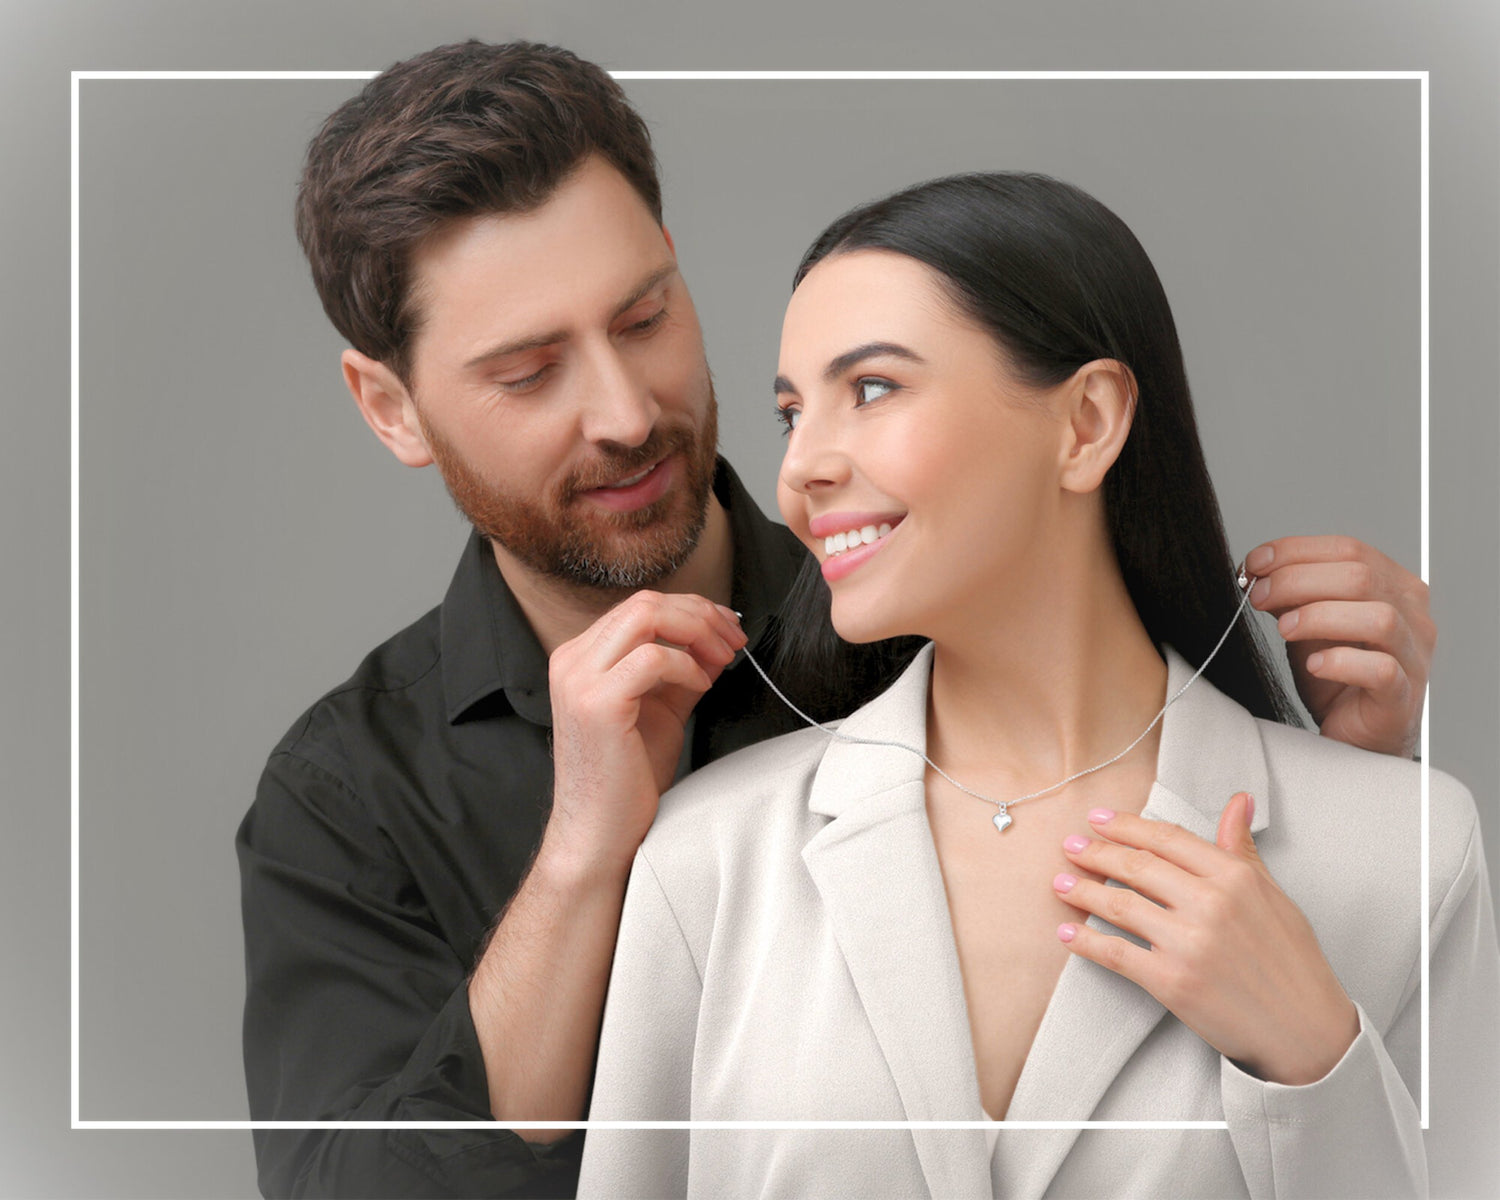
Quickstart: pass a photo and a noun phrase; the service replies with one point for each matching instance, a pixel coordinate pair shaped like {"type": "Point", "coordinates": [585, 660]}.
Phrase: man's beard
{"type": "Point", "coordinates": [584, 544]}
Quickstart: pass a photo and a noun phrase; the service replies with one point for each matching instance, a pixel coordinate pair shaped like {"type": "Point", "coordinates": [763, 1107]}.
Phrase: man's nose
{"type": "Point", "coordinates": [619, 406]}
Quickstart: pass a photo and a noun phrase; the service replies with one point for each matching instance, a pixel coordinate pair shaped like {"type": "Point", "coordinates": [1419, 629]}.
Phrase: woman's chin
{"type": "Point", "coordinates": [863, 627]}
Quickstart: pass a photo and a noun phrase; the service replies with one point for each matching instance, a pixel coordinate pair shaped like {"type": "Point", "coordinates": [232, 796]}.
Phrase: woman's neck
{"type": "Point", "coordinates": [1057, 679]}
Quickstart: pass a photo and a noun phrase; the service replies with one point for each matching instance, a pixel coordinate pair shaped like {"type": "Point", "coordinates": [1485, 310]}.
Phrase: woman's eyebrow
{"type": "Point", "coordinates": [782, 385]}
{"type": "Point", "coordinates": [869, 350]}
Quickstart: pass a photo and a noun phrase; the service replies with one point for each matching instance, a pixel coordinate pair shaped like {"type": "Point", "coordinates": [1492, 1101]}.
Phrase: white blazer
{"type": "Point", "coordinates": [785, 954]}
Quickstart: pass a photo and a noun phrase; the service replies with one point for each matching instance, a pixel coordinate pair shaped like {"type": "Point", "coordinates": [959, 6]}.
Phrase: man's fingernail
{"type": "Point", "coordinates": [1097, 816]}
{"type": "Point", "coordinates": [1259, 559]}
{"type": "Point", "coordinates": [1260, 591]}
{"type": "Point", "coordinates": [1315, 661]}
{"type": "Point", "coordinates": [1249, 809]}
{"type": "Point", "coordinates": [1288, 622]}
{"type": "Point", "coordinates": [728, 612]}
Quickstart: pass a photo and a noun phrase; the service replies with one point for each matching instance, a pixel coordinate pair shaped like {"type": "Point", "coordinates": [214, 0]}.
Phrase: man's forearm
{"type": "Point", "coordinates": [537, 994]}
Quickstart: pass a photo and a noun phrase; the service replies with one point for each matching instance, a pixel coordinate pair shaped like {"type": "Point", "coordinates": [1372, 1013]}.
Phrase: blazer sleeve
{"type": "Point", "coordinates": [646, 1045]}
{"type": "Point", "coordinates": [1357, 1131]}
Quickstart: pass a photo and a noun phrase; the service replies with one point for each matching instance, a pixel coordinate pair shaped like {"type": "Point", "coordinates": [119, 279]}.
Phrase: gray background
{"type": "Point", "coordinates": [244, 540]}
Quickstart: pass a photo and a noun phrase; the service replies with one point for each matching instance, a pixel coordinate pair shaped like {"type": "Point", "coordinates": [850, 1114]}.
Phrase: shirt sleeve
{"type": "Point", "coordinates": [645, 1063]}
{"type": "Point", "coordinates": [357, 1009]}
{"type": "Point", "coordinates": [1357, 1131]}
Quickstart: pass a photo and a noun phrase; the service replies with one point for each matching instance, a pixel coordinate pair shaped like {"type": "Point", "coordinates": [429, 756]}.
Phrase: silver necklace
{"type": "Point", "coordinates": [1002, 818]}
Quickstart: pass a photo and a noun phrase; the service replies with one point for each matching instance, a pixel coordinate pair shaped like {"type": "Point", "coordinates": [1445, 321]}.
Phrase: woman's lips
{"type": "Point", "coordinates": [646, 488]}
{"type": "Point", "coordinates": [852, 539]}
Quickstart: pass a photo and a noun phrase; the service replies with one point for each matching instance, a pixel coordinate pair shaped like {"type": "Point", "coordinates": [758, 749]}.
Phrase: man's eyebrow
{"type": "Point", "coordinates": [782, 385]}
{"type": "Point", "coordinates": [648, 284]}
{"type": "Point", "coordinates": [551, 338]}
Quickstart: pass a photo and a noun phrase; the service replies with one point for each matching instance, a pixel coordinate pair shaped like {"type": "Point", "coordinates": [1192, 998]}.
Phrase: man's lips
{"type": "Point", "coordinates": [636, 490]}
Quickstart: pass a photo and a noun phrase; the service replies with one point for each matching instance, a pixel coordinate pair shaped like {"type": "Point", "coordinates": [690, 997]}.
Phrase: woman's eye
{"type": "Point", "coordinates": [788, 417]}
{"type": "Point", "coordinates": [872, 389]}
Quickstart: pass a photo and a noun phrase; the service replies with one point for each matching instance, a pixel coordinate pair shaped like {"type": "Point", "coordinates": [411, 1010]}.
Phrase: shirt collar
{"type": "Point", "coordinates": [488, 646]}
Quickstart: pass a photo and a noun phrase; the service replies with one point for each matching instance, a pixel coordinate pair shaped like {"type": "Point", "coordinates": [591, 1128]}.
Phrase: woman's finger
{"type": "Point", "coordinates": [1115, 953]}
{"type": "Point", "coordinates": [1122, 907]}
{"type": "Point", "coordinates": [1166, 841]}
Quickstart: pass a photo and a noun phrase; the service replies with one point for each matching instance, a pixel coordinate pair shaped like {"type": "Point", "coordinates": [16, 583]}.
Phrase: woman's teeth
{"type": "Point", "coordinates": [840, 542]}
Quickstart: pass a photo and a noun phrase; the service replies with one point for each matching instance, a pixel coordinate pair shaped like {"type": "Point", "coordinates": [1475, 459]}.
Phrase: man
{"type": "Point", "coordinates": [435, 860]}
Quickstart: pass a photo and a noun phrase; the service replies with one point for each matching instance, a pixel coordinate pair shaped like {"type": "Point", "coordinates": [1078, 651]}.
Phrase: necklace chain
{"type": "Point", "coordinates": [1002, 815]}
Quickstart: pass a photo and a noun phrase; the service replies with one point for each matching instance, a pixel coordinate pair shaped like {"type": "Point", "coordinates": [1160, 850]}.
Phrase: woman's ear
{"type": "Point", "coordinates": [1101, 399]}
{"type": "Point", "coordinates": [386, 406]}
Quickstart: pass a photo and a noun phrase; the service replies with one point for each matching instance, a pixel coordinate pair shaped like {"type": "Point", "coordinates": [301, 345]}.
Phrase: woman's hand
{"type": "Point", "coordinates": [1359, 636]}
{"type": "Point", "coordinates": [1231, 956]}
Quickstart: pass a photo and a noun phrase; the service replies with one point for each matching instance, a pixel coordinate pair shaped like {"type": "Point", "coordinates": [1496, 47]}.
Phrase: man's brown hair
{"type": "Point", "coordinates": [461, 130]}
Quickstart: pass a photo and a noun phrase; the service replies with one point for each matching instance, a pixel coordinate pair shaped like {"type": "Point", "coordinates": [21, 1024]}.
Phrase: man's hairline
{"type": "Point", "coordinates": [412, 309]}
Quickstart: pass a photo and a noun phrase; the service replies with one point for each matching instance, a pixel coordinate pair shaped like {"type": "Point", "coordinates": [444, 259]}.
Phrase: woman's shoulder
{"type": "Point", "coordinates": [1369, 805]}
{"type": "Point", "coordinates": [754, 792]}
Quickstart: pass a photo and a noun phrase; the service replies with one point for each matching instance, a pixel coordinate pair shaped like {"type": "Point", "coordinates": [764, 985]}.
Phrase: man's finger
{"type": "Point", "coordinates": [1291, 587]}
{"type": "Point", "coordinates": [1375, 671]}
{"type": "Point", "coordinates": [1314, 548]}
{"type": "Point", "coordinates": [692, 622]}
{"type": "Point", "coordinates": [1371, 624]}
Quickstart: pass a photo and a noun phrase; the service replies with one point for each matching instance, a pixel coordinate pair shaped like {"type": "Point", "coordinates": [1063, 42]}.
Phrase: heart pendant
{"type": "Point", "coordinates": [1002, 821]}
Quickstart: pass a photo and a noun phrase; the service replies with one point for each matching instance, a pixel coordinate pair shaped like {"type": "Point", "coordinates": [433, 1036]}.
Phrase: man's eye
{"type": "Point", "coordinates": [868, 389]}
{"type": "Point", "coordinates": [788, 417]}
{"type": "Point", "coordinates": [649, 323]}
{"type": "Point", "coordinates": [525, 384]}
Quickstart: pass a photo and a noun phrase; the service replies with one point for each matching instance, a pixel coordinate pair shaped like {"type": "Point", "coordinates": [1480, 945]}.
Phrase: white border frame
{"type": "Point", "coordinates": [742, 76]}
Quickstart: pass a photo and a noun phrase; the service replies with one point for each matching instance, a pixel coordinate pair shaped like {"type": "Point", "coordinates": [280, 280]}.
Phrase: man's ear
{"type": "Point", "coordinates": [386, 406]}
{"type": "Point", "coordinates": [1101, 399]}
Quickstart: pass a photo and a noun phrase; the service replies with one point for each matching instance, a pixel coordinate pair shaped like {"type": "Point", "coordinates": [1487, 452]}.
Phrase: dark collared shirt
{"type": "Point", "coordinates": [391, 826]}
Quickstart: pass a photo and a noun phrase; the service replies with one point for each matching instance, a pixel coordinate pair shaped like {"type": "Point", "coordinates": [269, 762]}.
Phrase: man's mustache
{"type": "Point", "coordinates": [614, 465]}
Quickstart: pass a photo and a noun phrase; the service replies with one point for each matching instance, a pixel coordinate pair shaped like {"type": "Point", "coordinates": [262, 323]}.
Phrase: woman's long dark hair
{"type": "Point", "coordinates": [1059, 281]}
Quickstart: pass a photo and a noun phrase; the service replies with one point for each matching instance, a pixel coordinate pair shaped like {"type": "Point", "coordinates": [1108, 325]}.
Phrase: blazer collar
{"type": "Point", "coordinates": [1197, 784]}
{"type": "Point", "coordinates": [877, 872]}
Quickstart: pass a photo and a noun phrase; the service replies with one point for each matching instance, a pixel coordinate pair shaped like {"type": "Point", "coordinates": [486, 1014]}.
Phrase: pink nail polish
{"type": "Point", "coordinates": [1074, 844]}
{"type": "Point", "coordinates": [1064, 882]}
{"type": "Point", "coordinates": [1097, 816]}
{"type": "Point", "coordinates": [1066, 933]}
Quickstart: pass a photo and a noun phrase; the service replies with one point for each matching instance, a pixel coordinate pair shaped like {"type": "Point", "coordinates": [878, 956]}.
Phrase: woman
{"type": "Point", "coordinates": [992, 448]}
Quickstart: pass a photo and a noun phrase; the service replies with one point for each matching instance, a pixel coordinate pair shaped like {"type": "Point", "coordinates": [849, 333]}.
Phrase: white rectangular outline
{"type": "Point", "coordinates": [738, 76]}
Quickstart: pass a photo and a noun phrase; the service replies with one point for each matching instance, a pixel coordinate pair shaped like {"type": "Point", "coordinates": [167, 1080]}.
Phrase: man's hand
{"type": "Point", "coordinates": [1359, 636]}
{"type": "Point", "coordinates": [622, 692]}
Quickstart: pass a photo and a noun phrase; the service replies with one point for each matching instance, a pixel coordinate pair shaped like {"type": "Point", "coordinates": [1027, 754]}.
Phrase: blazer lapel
{"type": "Point", "coordinates": [877, 873]}
{"type": "Point", "coordinates": [1096, 1020]}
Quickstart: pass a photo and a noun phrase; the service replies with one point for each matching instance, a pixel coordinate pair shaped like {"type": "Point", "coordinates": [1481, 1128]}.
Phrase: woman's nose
{"type": "Point", "coordinates": [814, 460]}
